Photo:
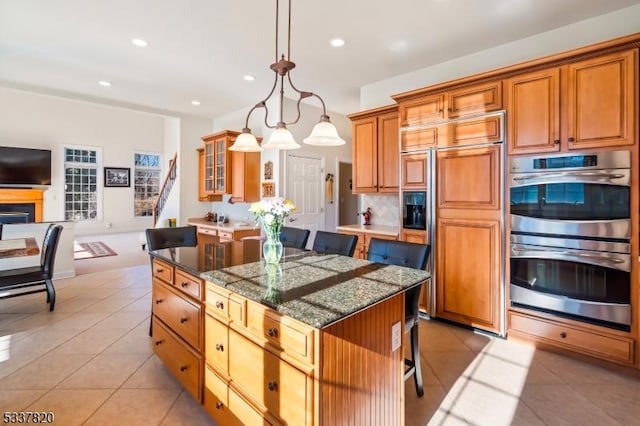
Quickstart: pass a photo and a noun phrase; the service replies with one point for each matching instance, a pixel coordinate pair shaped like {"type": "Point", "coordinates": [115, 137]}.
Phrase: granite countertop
{"type": "Point", "coordinates": [374, 229]}
{"type": "Point", "coordinates": [315, 289]}
{"type": "Point", "coordinates": [233, 225]}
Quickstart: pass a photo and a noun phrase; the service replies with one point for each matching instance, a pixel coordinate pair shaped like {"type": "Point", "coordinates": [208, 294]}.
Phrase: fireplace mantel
{"type": "Point", "coordinates": [23, 195]}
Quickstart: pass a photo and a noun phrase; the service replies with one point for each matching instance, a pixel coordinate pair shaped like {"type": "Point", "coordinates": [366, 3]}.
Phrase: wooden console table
{"type": "Point", "coordinates": [18, 247]}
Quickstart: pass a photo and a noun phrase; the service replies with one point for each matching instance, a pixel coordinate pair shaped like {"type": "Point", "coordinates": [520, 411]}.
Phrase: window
{"type": "Point", "coordinates": [146, 178]}
{"type": "Point", "coordinates": [81, 184]}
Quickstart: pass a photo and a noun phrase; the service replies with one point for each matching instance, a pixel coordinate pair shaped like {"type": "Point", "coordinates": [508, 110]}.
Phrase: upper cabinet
{"type": "Point", "coordinates": [585, 104]}
{"type": "Point", "coordinates": [227, 172]}
{"type": "Point", "coordinates": [465, 101]}
{"type": "Point", "coordinates": [376, 153]}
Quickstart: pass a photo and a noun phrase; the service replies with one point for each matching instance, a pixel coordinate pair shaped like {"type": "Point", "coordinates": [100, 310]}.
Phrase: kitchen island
{"type": "Point", "coordinates": [314, 340]}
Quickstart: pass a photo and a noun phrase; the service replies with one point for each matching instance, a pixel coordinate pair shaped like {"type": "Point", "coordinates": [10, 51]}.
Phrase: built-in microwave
{"type": "Point", "coordinates": [414, 210]}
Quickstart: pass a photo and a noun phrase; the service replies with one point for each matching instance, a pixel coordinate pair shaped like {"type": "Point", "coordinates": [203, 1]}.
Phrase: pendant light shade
{"type": "Point", "coordinates": [281, 138]}
{"type": "Point", "coordinates": [324, 134]}
{"type": "Point", "coordinates": [245, 142]}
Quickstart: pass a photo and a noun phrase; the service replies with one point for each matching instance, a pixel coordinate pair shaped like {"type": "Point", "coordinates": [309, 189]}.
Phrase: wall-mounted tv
{"type": "Point", "coordinates": [24, 166]}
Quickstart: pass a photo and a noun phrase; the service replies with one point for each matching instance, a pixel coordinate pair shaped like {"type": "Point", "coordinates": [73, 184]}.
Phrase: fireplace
{"type": "Point", "coordinates": [20, 205]}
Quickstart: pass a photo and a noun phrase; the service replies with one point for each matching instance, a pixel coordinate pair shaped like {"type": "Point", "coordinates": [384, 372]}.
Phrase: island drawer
{"type": "Point", "coordinates": [269, 381]}
{"type": "Point", "coordinates": [189, 284]}
{"type": "Point", "coordinates": [615, 348]}
{"type": "Point", "coordinates": [180, 314]}
{"type": "Point", "coordinates": [285, 334]}
{"type": "Point", "coordinates": [225, 235]}
{"type": "Point", "coordinates": [184, 363]}
{"type": "Point", "coordinates": [163, 270]}
{"type": "Point", "coordinates": [226, 406]}
{"type": "Point", "coordinates": [216, 342]}
{"type": "Point", "coordinates": [217, 301]}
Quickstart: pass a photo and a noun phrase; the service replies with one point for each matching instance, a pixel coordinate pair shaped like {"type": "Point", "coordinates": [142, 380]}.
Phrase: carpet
{"type": "Point", "coordinates": [91, 250]}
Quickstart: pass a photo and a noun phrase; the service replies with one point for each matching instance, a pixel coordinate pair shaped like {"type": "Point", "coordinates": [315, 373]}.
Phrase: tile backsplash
{"type": "Point", "coordinates": [385, 209]}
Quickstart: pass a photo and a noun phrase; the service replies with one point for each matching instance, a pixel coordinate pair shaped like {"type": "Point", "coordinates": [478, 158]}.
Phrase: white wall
{"type": "Point", "coordinates": [604, 27]}
{"type": "Point", "coordinates": [34, 120]}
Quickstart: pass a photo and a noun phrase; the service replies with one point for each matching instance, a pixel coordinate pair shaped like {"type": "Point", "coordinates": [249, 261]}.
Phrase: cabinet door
{"type": "Point", "coordinates": [474, 131]}
{"type": "Point", "coordinates": [414, 236]}
{"type": "Point", "coordinates": [476, 99]}
{"type": "Point", "coordinates": [202, 194]}
{"type": "Point", "coordinates": [245, 172]}
{"type": "Point", "coordinates": [388, 152]}
{"type": "Point", "coordinates": [221, 171]}
{"type": "Point", "coordinates": [422, 110]}
{"type": "Point", "coordinates": [422, 138]}
{"type": "Point", "coordinates": [468, 272]}
{"type": "Point", "coordinates": [209, 161]}
{"type": "Point", "coordinates": [414, 171]}
{"type": "Point", "coordinates": [365, 157]}
{"type": "Point", "coordinates": [533, 118]}
{"type": "Point", "coordinates": [216, 344]}
{"type": "Point", "coordinates": [601, 101]}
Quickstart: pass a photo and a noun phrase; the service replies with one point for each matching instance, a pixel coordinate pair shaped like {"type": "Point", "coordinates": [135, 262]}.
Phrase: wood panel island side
{"type": "Point", "coordinates": [314, 340]}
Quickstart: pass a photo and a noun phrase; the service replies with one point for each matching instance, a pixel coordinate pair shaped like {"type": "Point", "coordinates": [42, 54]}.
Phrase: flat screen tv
{"type": "Point", "coordinates": [24, 166]}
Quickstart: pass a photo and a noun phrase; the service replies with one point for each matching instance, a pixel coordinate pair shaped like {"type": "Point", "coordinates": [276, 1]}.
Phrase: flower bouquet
{"type": "Point", "coordinates": [271, 213]}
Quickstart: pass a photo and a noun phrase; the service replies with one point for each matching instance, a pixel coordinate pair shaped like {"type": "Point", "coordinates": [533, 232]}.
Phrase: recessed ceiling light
{"type": "Point", "coordinates": [195, 102]}
{"type": "Point", "coordinates": [139, 42]}
{"type": "Point", "coordinates": [104, 83]}
{"type": "Point", "coordinates": [249, 77]}
{"type": "Point", "coordinates": [337, 42]}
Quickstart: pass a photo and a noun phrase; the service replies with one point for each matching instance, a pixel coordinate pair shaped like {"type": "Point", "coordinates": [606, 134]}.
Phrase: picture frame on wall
{"type": "Point", "coordinates": [117, 177]}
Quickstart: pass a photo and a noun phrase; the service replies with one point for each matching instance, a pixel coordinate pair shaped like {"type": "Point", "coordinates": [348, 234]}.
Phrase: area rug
{"type": "Point", "coordinates": [91, 250]}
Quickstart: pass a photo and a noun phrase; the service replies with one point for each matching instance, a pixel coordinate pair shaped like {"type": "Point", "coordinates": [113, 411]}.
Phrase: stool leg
{"type": "Point", "coordinates": [415, 356]}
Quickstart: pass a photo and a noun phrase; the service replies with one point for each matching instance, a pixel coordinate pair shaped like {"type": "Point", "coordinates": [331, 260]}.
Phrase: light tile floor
{"type": "Point", "coordinates": [90, 363]}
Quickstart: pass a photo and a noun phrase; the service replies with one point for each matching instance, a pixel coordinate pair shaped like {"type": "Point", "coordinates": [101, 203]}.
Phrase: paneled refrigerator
{"type": "Point", "coordinates": [464, 175]}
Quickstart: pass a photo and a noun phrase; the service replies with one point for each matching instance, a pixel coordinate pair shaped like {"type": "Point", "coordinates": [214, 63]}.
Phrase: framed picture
{"type": "Point", "coordinates": [117, 177]}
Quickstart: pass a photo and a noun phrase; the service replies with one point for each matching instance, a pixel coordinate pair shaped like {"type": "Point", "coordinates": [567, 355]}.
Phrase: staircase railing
{"type": "Point", "coordinates": [169, 179]}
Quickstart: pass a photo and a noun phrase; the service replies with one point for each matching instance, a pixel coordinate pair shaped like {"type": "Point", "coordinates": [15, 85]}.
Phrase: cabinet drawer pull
{"type": "Point", "coordinates": [219, 347]}
{"type": "Point", "coordinates": [273, 386]}
{"type": "Point", "coordinates": [183, 368]}
{"type": "Point", "coordinates": [183, 320]}
{"type": "Point", "coordinates": [184, 284]}
{"type": "Point", "coordinates": [158, 301]}
{"type": "Point", "coordinates": [571, 139]}
{"type": "Point", "coordinates": [556, 142]}
{"type": "Point", "coordinates": [272, 332]}
{"type": "Point", "coordinates": [159, 271]}
{"type": "Point", "coordinates": [219, 405]}
{"type": "Point", "coordinates": [219, 304]}
{"type": "Point", "coordinates": [563, 335]}
{"type": "Point", "coordinates": [159, 342]}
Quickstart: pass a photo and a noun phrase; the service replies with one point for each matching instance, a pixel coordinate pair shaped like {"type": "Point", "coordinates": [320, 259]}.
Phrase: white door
{"type": "Point", "coordinates": [304, 188]}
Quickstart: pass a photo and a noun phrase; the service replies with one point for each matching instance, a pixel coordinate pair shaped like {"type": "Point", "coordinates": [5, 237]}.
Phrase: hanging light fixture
{"type": "Point", "coordinates": [324, 133]}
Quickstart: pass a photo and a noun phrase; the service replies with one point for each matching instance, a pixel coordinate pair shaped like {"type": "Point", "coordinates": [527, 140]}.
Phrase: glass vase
{"type": "Point", "coordinates": [272, 249]}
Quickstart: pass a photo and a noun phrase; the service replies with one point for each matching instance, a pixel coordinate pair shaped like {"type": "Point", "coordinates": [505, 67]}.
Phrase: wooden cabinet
{"type": "Point", "coordinates": [227, 172]}
{"type": "Point", "coordinates": [469, 255]}
{"type": "Point", "coordinates": [465, 101]}
{"type": "Point", "coordinates": [178, 324]}
{"type": "Point", "coordinates": [364, 238]}
{"type": "Point", "coordinates": [414, 139]}
{"type": "Point", "coordinates": [585, 104]}
{"type": "Point", "coordinates": [376, 152]}
{"type": "Point", "coordinates": [414, 171]}
{"type": "Point", "coordinates": [414, 236]}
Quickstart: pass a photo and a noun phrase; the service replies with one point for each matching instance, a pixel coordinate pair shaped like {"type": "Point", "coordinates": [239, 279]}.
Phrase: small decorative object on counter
{"type": "Point", "coordinates": [211, 217]}
{"type": "Point", "coordinates": [367, 216]}
{"type": "Point", "coordinates": [271, 213]}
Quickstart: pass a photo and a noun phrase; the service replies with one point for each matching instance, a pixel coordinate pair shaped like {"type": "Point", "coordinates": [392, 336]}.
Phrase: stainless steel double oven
{"type": "Point", "coordinates": [570, 235]}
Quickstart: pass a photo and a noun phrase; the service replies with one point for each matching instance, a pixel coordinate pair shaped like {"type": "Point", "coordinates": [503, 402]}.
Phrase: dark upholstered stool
{"type": "Point", "coordinates": [294, 237]}
{"type": "Point", "coordinates": [413, 256]}
{"type": "Point", "coordinates": [334, 243]}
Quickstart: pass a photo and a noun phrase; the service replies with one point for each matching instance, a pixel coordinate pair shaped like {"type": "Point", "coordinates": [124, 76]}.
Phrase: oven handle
{"type": "Point", "coordinates": [569, 174]}
{"type": "Point", "coordinates": [611, 260]}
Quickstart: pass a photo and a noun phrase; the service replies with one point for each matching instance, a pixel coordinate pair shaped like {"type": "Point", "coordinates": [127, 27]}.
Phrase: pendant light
{"type": "Point", "coordinates": [324, 133]}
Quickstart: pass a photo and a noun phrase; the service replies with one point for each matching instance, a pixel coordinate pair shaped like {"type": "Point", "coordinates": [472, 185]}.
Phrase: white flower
{"type": "Point", "coordinates": [268, 219]}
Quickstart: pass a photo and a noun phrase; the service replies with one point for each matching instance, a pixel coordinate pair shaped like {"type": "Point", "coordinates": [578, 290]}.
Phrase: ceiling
{"type": "Point", "coordinates": [201, 49]}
